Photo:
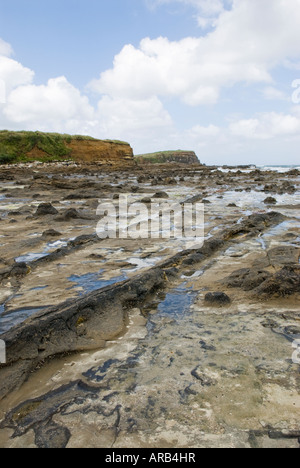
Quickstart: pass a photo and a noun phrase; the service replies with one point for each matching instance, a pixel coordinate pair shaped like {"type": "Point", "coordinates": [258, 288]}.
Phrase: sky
{"type": "Point", "coordinates": [219, 77]}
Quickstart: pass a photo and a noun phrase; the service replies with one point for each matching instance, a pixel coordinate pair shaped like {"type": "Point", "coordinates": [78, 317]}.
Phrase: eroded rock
{"type": "Point", "coordinates": [45, 209]}
{"type": "Point", "coordinates": [217, 298]}
{"type": "Point", "coordinates": [281, 284]}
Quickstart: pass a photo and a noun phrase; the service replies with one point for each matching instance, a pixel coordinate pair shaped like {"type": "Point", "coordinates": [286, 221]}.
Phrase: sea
{"type": "Point", "coordinates": [281, 169]}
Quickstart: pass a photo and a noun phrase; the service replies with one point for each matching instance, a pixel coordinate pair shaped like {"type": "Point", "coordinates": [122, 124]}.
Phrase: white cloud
{"type": "Point", "coordinates": [159, 67]}
{"type": "Point", "coordinates": [201, 132]}
{"type": "Point", "coordinates": [57, 106]}
{"type": "Point", "coordinates": [273, 94]}
{"type": "Point", "coordinates": [5, 48]}
{"type": "Point", "coordinates": [266, 126]}
{"type": "Point", "coordinates": [247, 43]}
{"type": "Point", "coordinates": [133, 120]}
{"type": "Point", "coordinates": [12, 73]}
{"type": "Point", "coordinates": [206, 10]}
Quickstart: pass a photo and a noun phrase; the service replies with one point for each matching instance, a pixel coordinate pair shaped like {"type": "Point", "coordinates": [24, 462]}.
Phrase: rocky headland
{"type": "Point", "coordinates": [18, 147]}
{"type": "Point", "coordinates": [166, 157]}
{"type": "Point", "coordinates": [153, 342]}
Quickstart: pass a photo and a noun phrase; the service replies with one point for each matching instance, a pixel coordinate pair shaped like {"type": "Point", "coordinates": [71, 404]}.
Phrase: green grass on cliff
{"type": "Point", "coordinates": [15, 146]}
{"type": "Point", "coordinates": [159, 157]}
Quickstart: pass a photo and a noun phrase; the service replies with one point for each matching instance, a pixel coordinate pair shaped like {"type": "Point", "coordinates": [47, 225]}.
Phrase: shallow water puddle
{"type": "Point", "coordinates": [140, 263]}
{"type": "Point", "coordinates": [92, 281]}
{"type": "Point", "coordinates": [15, 317]}
{"type": "Point", "coordinates": [176, 303]}
{"type": "Point", "coordinates": [32, 256]}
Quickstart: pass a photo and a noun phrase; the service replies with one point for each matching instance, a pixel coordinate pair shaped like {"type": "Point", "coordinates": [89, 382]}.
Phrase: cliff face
{"type": "Point", "coordinates": [163, 157]}
{"type": "Point", "coordinates": [101, 151]}
{"type": "Point", "coordinates": [37, 146]}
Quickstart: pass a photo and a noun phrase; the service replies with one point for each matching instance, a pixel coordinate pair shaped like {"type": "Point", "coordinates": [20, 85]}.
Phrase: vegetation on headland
{"type": "Point", "coordinates": [16, 146]}
{"type": "Point", "coordinates": [162, 157]}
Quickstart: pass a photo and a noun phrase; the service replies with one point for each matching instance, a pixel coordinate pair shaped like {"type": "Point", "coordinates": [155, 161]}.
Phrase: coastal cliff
{"type": "Point", "coordinates": [47, 147]}
{"type": "Point", "coordinates": [163, 157]}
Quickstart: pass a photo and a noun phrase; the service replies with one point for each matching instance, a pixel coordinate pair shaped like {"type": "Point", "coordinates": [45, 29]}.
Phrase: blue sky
{"type": "Point", "coordinates": [214, 76]}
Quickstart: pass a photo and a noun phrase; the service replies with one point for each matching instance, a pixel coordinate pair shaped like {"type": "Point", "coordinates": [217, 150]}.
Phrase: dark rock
{"type": "Point", "coordinates": [246, 278]}
{"type": "Point", "coordinates": [270, 188]}
{"type": "Point", "coordinates": [51, 233]}
{"type": "Point", "coordinates": [207, 347]}
{"type": "Point", "coordinates": [51, 435]}
{"type": "Point", "coordinates": [283, 283]}
{"type": "Point", "coordinates": [217, 298]}
{"type": "Point", "coordinates": [15, 213]}
{"type": "Point", "coordinates": [283, 255]}
{"type": "Point", "coordinates": [146, 200]}
{"type": "Point", "coordinates": [69, 214]}
{"type": "Point", "coordinates": [170, 181]}
{"type": "Point", "coordinates": [19, 270]}
{"type": "Point", "coordinates": [160, 195]}
{"type": "Point", "coordinates": [194, 199]}
{"type": "Point", "coordinates": [294, 172]}
{"type": "Point", "coordinates": [193, 259]}
{"type": "Point", "coordinates": [46, 209]}
{"type": "Point", "coordinates": [232, 205]}
{"type": "Point", "coordinates": [270, 201]}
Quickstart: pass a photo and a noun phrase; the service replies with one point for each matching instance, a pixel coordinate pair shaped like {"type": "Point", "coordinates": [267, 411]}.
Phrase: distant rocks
{"type": "Point", "coordinates": [280, 189]}
{"type": "Point", "coordinates": [166, 157]}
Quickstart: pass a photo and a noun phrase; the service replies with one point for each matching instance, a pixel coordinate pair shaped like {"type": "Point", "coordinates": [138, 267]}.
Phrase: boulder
{"type": "Point", "coordinates": [51, 233]}
{"type": "Point", "coordinates": [217, 298]}
{"type": "Point", "coordinates": [19, 270]}
{"type": "Point", "coordinates": [270, 201]}
{"type": "Point", "coordinates": [160, 195]}
{"type": "Point", "coordinates": [68, 214]}
{"type": "Point", "coordinates": [45, 209]}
